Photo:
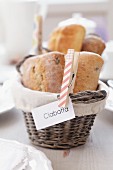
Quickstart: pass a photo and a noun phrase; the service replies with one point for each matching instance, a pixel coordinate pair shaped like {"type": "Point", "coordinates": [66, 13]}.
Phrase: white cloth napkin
{"type": "Point", "coordinates": [14, 94]}
{"type": "Point", "coordinates": [12, 157]}
{"type": "Point", "coordinates": [17, 156]}
{"type": "Point", "coordinates": [25, 99]}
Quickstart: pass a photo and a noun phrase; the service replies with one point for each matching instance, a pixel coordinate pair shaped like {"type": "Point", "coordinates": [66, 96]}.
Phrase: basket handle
{"type": "Point", "coordinates": [88, 96]}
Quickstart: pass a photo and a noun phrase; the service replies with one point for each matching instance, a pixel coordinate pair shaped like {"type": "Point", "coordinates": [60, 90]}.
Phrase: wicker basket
{"type": "Point", "coordinates": [73, 132]}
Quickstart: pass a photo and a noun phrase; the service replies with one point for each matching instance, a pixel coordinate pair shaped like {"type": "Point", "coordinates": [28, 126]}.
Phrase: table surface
{"type": "Point", "coordinates": [96, 154]}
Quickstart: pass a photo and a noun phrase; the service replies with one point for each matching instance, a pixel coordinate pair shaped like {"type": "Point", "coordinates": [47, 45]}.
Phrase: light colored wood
{"type": "Point", "coordinates": [96, 154]}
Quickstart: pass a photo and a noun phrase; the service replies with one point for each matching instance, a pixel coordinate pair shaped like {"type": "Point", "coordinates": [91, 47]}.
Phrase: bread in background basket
{"type": "Point", "coordinates": [41, 79]}
{"type": "Point", "coordinates": [93, 43]}
{"type": "Point", "coordinates": [72, 35]}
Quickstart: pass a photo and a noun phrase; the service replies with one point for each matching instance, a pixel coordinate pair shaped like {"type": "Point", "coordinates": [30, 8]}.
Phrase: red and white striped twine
{"type": "Point", "coordinates": [66, 78]}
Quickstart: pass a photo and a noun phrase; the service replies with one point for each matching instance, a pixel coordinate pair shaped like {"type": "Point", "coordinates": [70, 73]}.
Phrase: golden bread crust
{"type": "Point", "coordinates": [45, 72]}
{"type": "Point", "coordinates": [94, 44]}
{"type": "Point", "coordinates": [89, 67]}
{"type": "Point", "coordinates": [63, 38]}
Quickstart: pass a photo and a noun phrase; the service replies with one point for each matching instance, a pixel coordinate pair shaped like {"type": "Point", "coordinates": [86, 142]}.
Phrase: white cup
{"type": "Point", "coordinates": [107, 71]}
{"type": "Point", "coordinates": [17, 19]}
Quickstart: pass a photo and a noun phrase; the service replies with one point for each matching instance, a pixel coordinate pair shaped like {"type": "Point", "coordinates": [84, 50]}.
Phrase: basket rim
{"type": "Point", "coordinates": [22, 102]}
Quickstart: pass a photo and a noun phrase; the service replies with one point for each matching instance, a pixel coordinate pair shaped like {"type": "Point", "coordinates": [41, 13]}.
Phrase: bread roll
{"type": "Point", "coordinates": [89, 67]}
{"type": "Point", "coordinates": [63, 38]}
{"type": "Point", "coordinates": [45, 72]}
{"type": "Point", "coordinates": [93, 43]}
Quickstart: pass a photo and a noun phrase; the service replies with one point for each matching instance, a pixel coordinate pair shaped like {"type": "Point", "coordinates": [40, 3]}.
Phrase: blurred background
{"type": "Point", "coordinates": [100, 11]}
{"type": "Point", "coordinates": [17, 23]}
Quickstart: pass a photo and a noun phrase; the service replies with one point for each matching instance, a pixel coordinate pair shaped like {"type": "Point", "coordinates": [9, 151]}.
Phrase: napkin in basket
{"type": "Point", "coordinates": [27, 99]}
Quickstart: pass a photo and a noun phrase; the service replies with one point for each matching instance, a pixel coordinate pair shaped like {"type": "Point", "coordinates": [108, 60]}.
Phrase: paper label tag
{"type": "Point", "coordinates": [51, 114]}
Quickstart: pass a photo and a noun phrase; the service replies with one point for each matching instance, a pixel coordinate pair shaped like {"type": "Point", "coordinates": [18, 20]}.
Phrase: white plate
{"type": "Point", "coordinates": [6, 102]}
{"type": "Point", "coordinates": [6, 108]}
{"type": "Point", "coordinates": [109, 102]}
{"type": "Point", "coordinates": [17, 156]}
{"type": "Point", "coordinates": [7, 72]}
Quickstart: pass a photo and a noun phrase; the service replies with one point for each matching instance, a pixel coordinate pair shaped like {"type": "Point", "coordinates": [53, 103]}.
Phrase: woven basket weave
{"type": "Point", "coordinates": [70, 133]}
{"type": "Point", "coordinates": [61, 136]}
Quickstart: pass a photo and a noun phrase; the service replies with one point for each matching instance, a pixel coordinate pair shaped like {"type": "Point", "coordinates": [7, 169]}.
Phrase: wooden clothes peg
{"type": "Point", "coordinates": [37, 35]}
{"type": "Point", "coordinates": [71, 65]}
{"type": "Point", "coordinates": [75, 68]}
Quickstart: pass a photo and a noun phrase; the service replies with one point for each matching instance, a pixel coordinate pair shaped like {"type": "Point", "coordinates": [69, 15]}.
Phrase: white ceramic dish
{"type": "Point", "coordinates": [106, 72]}
{"type": "Point", "coordinates": [7, 72]}
{"type": "Point", "coordinates": [17, 156]}
{"type": "Point", "coordinates": [6, 108]}
{"type": "Point", "coordinates": [109, 102]}
{"type": "Point", "coordinates": [6, 103]}
{"type": "Point", "coordinates": [104, 78]}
